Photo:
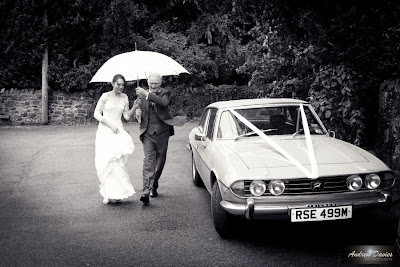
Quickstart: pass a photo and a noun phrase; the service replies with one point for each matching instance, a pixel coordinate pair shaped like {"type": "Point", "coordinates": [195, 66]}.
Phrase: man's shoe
{"type": "Point", "coordinates": [153, 193]}
{"type": "Point", "coordinates": [145, 199]}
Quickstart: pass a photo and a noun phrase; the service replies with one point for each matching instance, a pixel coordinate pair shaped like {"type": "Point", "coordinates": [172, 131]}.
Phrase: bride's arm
{"type": "Point", "coordinates": [126, 113]}
{"type": "Point", "coordinates": [98, 114]}
{"type": "Point", "coordinates": [134, 109]}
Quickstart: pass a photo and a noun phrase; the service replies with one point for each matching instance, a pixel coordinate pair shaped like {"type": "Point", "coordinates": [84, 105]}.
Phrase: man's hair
{"type": "Point", "coordinates": [154, 75]}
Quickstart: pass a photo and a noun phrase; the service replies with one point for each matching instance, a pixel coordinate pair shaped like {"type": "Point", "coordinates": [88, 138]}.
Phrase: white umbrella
{"type": "Point", "coordinates": [137, 65]}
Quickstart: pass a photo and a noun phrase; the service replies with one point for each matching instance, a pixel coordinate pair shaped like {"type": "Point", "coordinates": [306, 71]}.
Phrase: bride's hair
{"type": "Point", "coordinates": [118, 76]}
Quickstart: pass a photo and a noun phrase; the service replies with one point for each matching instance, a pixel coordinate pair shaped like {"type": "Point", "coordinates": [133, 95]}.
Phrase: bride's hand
{"type": "Point", "coordinates": [115, 129]}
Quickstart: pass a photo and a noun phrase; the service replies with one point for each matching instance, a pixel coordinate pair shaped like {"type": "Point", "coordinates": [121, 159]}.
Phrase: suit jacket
{"type": "Point", "coordinates": [161, 108]}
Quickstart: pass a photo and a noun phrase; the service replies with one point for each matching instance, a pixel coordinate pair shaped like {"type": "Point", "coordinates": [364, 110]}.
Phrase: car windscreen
{"type": "Point", "coordinates": [275, 120]}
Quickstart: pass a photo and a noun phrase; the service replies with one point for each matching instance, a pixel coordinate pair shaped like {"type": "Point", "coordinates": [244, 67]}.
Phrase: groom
{"type": "Point", "coordinates": [156, 126]}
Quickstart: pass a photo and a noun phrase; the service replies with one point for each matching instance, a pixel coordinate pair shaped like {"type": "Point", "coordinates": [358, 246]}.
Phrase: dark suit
{"type": "Point", "coordinates": [154, 134]}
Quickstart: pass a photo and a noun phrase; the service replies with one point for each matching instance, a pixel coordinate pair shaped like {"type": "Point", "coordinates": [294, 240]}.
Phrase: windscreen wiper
{"type": "Point", "coordinates": [296, 133]}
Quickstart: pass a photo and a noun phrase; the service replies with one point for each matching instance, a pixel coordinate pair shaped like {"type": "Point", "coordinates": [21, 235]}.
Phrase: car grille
{"type": "Point", "coordinates": [305, 186]}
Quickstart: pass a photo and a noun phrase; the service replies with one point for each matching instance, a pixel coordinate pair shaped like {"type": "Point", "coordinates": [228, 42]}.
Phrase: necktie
{"type": "Point", "coordinates": [152, 103]}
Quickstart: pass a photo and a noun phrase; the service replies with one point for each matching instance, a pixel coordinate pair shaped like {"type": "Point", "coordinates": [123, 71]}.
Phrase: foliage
{"type": "Point", "coordinates": [78, 53]}
{"type": "Point", "coordinates": [193, 57]}
{"type": "Point", "coordinates": [21, 44]}
{"type": "Point", "coordinates": [294, 48]}
{"type": "Point", "coordinates": [192, 100]}
{"type": "Point", "coordinates": [334, 94]}
{"type": "Point", "coordinates": [388, 147]}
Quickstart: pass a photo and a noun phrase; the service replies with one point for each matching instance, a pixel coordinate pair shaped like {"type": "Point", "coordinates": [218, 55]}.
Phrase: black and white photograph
{"type": "Point", "coordinates": [199, 133]}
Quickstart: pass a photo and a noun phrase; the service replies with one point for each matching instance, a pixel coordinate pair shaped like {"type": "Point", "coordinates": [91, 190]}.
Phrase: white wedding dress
{"type": "Point", "coordinates": [113, 150]}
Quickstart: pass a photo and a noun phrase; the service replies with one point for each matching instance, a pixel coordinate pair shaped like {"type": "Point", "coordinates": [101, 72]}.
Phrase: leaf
{"type": "Point", "coordinates": [328, 114]}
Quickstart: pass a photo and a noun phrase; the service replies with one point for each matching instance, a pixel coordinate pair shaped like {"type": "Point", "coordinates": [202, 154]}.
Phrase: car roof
{"type": "Point", "coordinates": [256, 101]}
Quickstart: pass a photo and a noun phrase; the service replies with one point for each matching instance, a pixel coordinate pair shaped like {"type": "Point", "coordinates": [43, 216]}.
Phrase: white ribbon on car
{"type": "Point", "coordinates": [310, 149]}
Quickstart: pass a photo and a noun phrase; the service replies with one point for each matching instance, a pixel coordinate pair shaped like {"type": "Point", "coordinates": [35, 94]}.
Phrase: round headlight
{"type": "Point", "coordinates": [276, 187]}
{"type": "Point", "coordinates": [238, 188]}
{"type": "Point", "coordinates": [372, 181]}
{"type": "Point", "coordinates": [257, 188]}
{"type": "Point", "coordinates": [389, 179]}
{"type": "Point", "coordinates": [354, 182]}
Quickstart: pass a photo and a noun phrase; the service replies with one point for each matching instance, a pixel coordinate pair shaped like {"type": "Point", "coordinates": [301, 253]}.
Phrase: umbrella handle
{"type": "Point", "coordinates": [139, 118]}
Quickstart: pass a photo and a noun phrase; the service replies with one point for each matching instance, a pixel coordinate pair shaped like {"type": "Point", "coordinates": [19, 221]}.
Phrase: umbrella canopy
{"type": "Point", "coordinates": [137, 65]}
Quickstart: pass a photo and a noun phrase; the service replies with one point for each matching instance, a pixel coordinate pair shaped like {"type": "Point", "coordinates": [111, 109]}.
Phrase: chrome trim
{"type": "Point", "coordinates": [388, 199]}
{"type": "Point", "coordinates": [254, 208]}
{"type": "Point", "coordinates": [249, 209]}
{"type": "Point", "coordinates": [234, 209]}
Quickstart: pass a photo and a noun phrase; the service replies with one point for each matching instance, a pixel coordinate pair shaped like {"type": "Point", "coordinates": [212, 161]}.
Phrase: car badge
{"type": "Point", "coordinates": [317, 186]}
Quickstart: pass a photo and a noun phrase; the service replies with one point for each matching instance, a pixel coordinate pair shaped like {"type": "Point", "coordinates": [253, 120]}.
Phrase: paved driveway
{"type": "Point", "coordinates": [51, 213]}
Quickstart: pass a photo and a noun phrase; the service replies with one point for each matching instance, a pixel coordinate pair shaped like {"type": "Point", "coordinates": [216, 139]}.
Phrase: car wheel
{"type": "Point", "coordinates": [222, 219]}
{"type": "Point", "coordinates": [195, 174]}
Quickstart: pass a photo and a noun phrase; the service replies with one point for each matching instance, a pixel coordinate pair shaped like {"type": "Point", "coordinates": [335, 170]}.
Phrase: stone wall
{"type": "Point", "coordinates": [71, 108]}
{"type": "Point", "coordinates": [24, 106]}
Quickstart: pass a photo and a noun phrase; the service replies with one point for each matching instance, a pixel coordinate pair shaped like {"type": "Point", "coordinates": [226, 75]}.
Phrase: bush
{"type": "Point", "coordinates": [334, 96]}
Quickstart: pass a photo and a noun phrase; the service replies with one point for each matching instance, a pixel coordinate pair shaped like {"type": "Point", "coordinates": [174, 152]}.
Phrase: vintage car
{"type": "Point", "coordinates": [274, 159]}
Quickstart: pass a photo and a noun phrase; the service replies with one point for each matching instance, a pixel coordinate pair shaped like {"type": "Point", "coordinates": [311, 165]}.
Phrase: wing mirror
{"type": "Point", "coordinates": [199, 136]}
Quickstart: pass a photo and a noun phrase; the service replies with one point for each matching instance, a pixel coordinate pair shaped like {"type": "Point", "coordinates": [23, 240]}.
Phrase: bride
{"type": "Point", "coordinates": [113, 143]}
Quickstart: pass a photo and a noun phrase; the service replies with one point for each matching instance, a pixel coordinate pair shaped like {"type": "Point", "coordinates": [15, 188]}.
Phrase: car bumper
{"type": "Point", "coordinates": [259, 208]}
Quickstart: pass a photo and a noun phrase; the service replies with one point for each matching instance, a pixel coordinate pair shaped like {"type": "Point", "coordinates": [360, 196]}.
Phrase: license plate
{"type": "Point", "coordinates": [321, 214]}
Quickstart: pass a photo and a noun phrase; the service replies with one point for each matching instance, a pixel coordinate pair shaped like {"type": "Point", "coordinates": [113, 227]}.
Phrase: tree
{"type": "Point", "coordinates": [21, 45]}
{"type": "Point", "coordinates": [45, 67]}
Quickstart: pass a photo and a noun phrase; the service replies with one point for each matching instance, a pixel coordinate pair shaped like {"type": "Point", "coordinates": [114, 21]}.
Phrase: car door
{"type": "Point", "coordinates": [196, 143]}
{"type": "Point", "coordinates": [204, 148]}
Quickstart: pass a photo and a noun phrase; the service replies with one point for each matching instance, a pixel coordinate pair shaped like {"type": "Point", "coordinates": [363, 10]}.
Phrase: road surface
{"type": "Point", "coordinates": [51, 213]}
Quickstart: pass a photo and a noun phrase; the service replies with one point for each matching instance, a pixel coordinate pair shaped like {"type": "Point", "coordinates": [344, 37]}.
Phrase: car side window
{"type": "Point", "coordinates": [228, 127]}
{"type": "Point", "coordinates": [211, 123]}
{"type": "Point", "coordinates": [203, 120]}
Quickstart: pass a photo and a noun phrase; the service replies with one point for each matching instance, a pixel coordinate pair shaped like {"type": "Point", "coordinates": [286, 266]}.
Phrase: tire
{"type": "Point", "coordinates": [223, 221]}
{"type": "Point", "coordinates": [195, 175]}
